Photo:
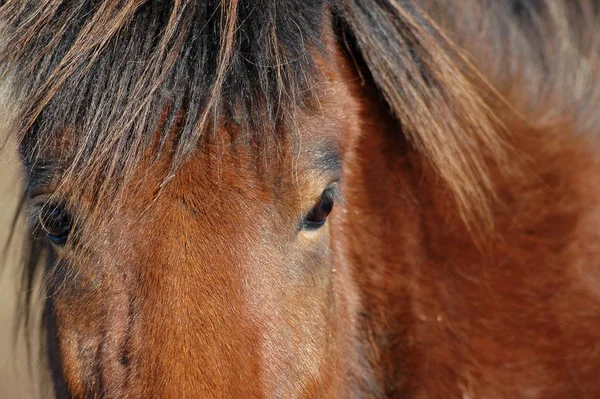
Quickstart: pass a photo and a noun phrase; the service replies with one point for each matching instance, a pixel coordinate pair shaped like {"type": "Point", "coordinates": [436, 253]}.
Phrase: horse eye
{"type": "Point", "coordinates": [56, 223]}
{"type": "Point", "coordinates": [318, 215]}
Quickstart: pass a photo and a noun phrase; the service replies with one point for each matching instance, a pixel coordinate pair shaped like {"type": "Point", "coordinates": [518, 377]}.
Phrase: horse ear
{"type": "Point", "coordinates": [434, 92]}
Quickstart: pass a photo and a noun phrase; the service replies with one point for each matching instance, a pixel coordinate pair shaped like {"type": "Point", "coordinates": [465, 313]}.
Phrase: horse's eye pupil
{"type": "Point", "coordinates": [56, 224]}
{"type": "Point", "coordinates": [318, 215]}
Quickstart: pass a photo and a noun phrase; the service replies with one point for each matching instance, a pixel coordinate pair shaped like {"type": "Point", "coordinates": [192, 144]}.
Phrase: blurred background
{"type": "Point", "coordinates": [18, 376]}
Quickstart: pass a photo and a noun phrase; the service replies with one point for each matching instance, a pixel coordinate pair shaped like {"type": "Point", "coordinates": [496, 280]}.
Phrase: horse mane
{"type": "Point", "coordinates": [106, 71]}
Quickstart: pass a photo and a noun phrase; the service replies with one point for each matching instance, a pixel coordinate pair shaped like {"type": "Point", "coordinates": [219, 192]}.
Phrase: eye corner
{"type": "Point", "coordinates": [317, 216]}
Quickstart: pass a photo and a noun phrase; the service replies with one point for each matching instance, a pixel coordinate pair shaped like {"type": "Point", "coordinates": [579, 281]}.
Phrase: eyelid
{"type": "Point", "coordinates": [36, 206]}
{"type": "Point", "coordinates": [36, 200]}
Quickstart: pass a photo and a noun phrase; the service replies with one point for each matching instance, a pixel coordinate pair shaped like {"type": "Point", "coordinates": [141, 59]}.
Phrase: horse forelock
{"type": "Point", "coordinates": [98, 76]}
{"type": "Point", "coordinates": [106, 73]}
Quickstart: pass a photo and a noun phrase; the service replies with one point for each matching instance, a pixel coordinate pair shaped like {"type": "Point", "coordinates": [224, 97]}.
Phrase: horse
{"type": "Point", "coordinates": [310, 199]}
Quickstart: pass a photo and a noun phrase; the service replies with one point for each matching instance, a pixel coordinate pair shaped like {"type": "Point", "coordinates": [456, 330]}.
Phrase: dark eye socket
{"type": "Point", "coordinates": [56, 223]}
{"type": "Point", "coordinates": [318, 215]}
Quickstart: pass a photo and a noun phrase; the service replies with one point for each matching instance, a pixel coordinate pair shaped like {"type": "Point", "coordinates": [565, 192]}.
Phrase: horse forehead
{"type": "Point", "coordinates": [235, 162]}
